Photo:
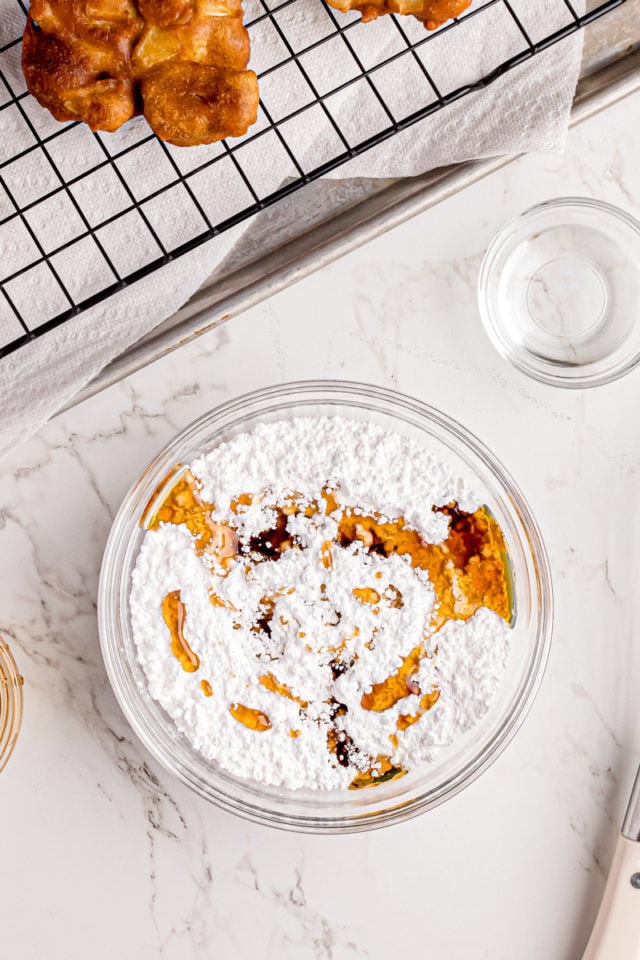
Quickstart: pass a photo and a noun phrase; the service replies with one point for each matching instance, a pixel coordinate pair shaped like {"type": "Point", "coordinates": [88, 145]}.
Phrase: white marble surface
{"type": "Point", "coordinates": [103, 854]}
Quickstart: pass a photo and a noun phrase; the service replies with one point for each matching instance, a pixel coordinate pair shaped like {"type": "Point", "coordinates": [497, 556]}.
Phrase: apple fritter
{"type": "Point", "coordinates": [78, 78]}
{"type": "Point", "coordinates": [180, 62]}
{"type": "Point", "coordinates": [433, 13]}
{"type": "Point", "coordinates": [192, 103]}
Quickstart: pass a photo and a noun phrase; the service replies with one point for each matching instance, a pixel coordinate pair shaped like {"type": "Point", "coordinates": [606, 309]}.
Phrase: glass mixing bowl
{"type": "Point", "coordinates": [422, 788]}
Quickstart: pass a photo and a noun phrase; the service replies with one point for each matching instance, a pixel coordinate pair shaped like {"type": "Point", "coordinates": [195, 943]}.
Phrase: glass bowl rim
{"type": "Point", "coordinates": [309, 392]}
{"type": "Point", "coordinates": [496, 328]}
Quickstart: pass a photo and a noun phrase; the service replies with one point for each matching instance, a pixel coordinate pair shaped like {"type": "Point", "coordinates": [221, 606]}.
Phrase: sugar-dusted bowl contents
{"type": "Point", "coordinates": [320, 603]}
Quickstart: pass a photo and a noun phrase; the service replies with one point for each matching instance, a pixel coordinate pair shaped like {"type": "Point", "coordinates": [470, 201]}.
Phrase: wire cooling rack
{"type": "Point", "coordinates": [153, 203]}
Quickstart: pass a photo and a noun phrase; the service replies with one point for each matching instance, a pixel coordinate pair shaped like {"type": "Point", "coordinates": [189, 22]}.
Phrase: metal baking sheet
{"type": "Point", "coordinates": [329, 218]}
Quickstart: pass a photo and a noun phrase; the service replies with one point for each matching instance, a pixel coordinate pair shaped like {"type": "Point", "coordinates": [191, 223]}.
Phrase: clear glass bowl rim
{"type": "Point", "coordinates": [495, 326]}
{"type": "Point", "coordinates": [267, 400]}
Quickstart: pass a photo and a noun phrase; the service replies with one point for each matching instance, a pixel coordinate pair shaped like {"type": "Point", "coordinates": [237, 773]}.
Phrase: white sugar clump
{"type": "Point", "coordinates": [295, 618]}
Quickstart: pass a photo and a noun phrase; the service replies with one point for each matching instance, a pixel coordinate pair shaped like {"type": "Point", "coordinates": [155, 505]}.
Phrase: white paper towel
{"type": "Point", "coordinates": [526, 110]}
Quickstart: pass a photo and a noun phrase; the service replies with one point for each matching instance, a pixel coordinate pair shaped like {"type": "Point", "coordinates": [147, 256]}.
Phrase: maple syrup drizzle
{"type": "Point", "coordinates": [326, 555]}
{"type": "Point", "coordinates": [244, 500]}
{"type": "Point", "coordinates": [217, 601]}
{"type": "Point", "coordinates": [340, 744]}
{"type": "Point", "coordinates": [296, 504]}
{"type": "Point", "coordinates": [469, 570]}
{"type": "Point", "coordinates": [148, 514]}
{"type": "Point", "coordinates": [366, 595]}
{"type": "Point", "coordinates": [339, 648]}
{"type": "Point", "coordinates": [269, 682]}
{"type": "Point", "coordinates": [267, 608]}
{"type": "Point", "coordinates": [383, 770]}
{"type": "Point", "coordinates": [183, 505]}
{"type": "Point", "coordinates": [392, 597]}
{"type": "Point", "coordinates": [427, 701]}
{"type": "Point", "coordinates": [332, 504]}
{"type": "Point", "coordinates": [339, 666]}
{"type": "Point", "coordinates": [251, 718]}
{"type": "Point", "coordinates": [272, 543]}
{"type": "Point", "coordinates": [401, 684]}
{"type": "Point", "coordinates": [174, 614]}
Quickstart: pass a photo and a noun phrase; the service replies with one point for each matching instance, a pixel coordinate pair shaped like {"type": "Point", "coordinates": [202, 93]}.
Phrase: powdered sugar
{"type": "Point", "coordinates": [376, 469]}
{"type": "Point", "coordinates": [323, 620]}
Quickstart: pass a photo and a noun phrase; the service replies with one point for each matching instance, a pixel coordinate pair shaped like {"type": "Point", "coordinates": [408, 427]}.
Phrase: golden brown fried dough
{"type": "Point", "coordinates": [116, 22]}
{"type": "Point", "coordinates": [212, 42]}
{"type": "Point", "coordinates": [77, 79]}
{"type": "Point", "coordinates": [433, 13]}
{"type": "Point", "coordinates": [191, 102]}
{"type": "Point", "coordinates": [181, 62]}
{"type": "Point", "coordinates": [166, 13]}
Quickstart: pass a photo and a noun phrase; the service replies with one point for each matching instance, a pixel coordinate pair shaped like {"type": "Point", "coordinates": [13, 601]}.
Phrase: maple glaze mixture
{"type": "Point", "coordinates": [468, 570]}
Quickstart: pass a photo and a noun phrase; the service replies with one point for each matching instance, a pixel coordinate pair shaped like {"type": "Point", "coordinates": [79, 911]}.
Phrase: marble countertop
{"type": "Point", "coordinates": [103, 854]}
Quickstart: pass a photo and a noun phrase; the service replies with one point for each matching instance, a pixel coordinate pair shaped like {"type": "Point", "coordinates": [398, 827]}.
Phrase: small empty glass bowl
{"type": "Point", "coordinates": [559, 292]}
{"type": "Point", "coordinates": [335, 811]}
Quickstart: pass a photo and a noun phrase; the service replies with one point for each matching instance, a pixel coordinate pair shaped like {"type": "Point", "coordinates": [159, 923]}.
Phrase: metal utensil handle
{"type": "Point", "coordinates": [616, 932]}
{"type": "Point", "coordinates": [631, 825]}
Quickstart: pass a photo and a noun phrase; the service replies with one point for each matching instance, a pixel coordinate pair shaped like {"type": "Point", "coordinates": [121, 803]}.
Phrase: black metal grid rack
{"type": "Point", "coordinates": [135, 203]}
